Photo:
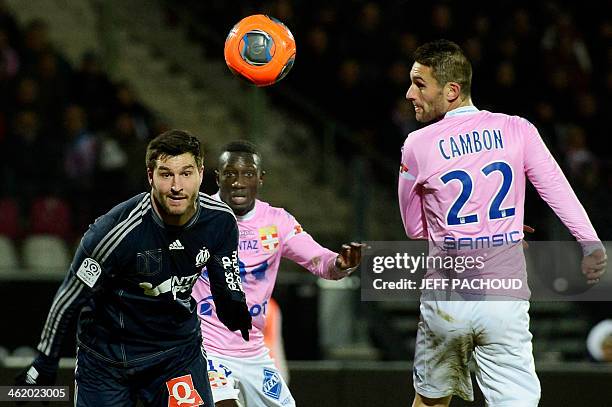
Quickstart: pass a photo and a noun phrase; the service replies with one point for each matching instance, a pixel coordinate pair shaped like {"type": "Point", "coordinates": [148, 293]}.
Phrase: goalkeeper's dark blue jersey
{"type": "Point", "coordinates": [131, 280]}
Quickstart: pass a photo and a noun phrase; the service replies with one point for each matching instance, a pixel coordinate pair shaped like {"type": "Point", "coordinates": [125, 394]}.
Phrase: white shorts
{"type": "Point", "coordinates": [496, 333]}
{"type": "Point", "coordinates": [255, 381]}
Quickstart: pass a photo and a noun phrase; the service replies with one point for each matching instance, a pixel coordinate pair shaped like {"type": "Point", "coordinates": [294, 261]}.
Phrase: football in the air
{"type": "Point", "coordinates": [260, 49]}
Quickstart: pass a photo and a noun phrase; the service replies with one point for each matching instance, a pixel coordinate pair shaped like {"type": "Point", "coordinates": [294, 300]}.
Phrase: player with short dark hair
{"type": "Point", "coordinates": [130, 282]}
{"type": "Point", "coordinates": [462, 186]}
{"type": "Point", "coordinates": [245, 370]}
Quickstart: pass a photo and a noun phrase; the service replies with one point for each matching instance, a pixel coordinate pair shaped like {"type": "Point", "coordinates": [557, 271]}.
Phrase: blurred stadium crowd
{"type": "Point", "coordinates": [69, 131]}
{"type": "Point", "coordinates": [547, 61]}
{"type": "Point", "coordinates": [73, 140]}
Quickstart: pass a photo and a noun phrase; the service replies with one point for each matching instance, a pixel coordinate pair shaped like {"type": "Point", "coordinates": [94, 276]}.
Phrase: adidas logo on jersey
{"type": "Point", "coordinates": [176, 245]}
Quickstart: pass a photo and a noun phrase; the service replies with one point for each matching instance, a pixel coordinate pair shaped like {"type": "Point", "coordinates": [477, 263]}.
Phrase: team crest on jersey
{"type": "Point", "coordinates": [272, 384]}
{"type": "Point", "coordinates": [202, 257]}
{"type": "Point", "coordinates": [269, 238]}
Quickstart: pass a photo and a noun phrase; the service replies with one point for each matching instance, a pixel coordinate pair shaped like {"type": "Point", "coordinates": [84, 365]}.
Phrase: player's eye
{"type": "Point", "coordinates": [187, 173]}
{"type": "Point", "coordinates": [165, 175]}
{"type": "Point", "coordinates": [228, 174]}
{"type": "Point", "coordinates": [249, 174]}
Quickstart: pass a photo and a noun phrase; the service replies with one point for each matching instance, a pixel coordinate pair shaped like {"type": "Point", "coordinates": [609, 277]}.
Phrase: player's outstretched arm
{"type": "Point", "coordinates": [320, 261]}
{"type": "Point", "coordinates": [300, 247]}
{"type": "Point", "coordinates": [594, 266]}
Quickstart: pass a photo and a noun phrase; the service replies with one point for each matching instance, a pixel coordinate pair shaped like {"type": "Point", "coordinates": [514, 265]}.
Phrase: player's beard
{"type": "Point", "coordinates": [184, 204]}
{"type": "Point", "coordinates": [432, 111]}
{"type": "Point", "coordinates": [178, 214]}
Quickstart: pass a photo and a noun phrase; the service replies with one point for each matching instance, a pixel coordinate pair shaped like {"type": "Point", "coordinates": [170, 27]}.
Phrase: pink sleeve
{"type": "Point", "coordinates": [410, 194]}
{"type": "Point", "coordinates": [301, 248]}
{"type": "Point", "coordinates": [546, 176]}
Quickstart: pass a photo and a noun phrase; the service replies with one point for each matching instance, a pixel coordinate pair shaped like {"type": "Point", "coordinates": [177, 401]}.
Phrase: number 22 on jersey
{"type": "Point", "coordinates": [469, 183]}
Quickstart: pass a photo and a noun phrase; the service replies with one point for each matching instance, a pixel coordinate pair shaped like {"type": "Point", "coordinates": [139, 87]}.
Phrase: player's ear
{"type": "Point", "coordinates": [150, 176]}
{"type": "Point", "coordinates": [201, 172]}
{"type": "Point", "coordinates": [261, 177]}
{"type": "Point", "coordinates": [452, 91]}
{"type": "Point", "coordinates": [217, 177]}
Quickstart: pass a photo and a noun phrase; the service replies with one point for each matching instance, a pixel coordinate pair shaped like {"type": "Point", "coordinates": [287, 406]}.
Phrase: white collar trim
{"type": "Point", "coordinates": [461, 110]}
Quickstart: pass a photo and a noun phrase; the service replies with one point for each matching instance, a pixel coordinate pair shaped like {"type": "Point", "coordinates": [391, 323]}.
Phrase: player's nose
{"type": "Point", "coordinates": [410, 94]}
{"type": "Point", "coordinates": [176, 185]}
{"type": "Point", "coordinates": [239, 182]}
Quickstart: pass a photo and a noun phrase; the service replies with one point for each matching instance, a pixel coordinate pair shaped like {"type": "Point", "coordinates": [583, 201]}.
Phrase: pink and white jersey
{"type": "Point", "coordinates": [266, 234]}
{"type": "Point", "coordinates": [462, 185]}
